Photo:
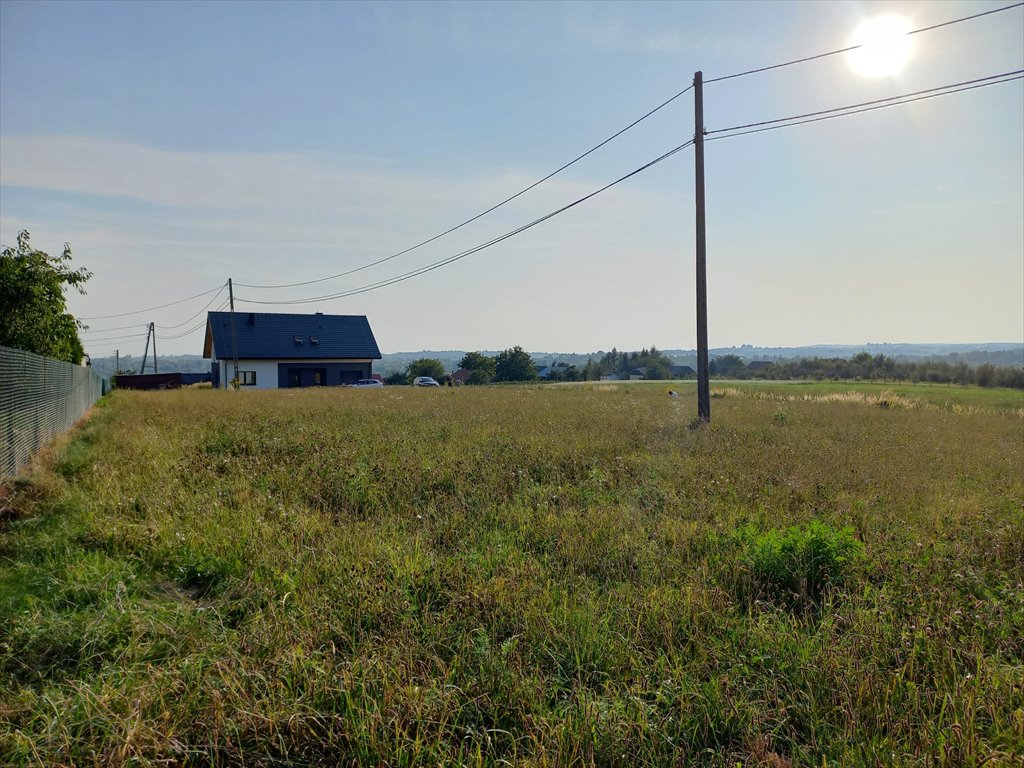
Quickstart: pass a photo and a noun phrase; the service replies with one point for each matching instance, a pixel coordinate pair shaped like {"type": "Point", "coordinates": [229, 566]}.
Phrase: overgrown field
{"type": "Point", "coordinates": [524, 576]}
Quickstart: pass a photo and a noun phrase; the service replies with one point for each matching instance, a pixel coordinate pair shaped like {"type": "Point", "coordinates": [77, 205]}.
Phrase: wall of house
{"type": "Point", "coordinates": [273, 374]}
{"type": "Point", "coordinates": [334, 373]}
{"type": "Point", "coordinates": [265, 370]}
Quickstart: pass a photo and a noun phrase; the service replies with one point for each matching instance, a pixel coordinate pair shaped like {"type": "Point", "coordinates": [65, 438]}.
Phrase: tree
{"type": "Point", "coordinates": [985, 375]}
{"type": "Point", "coordinates": [396, 378]}
{"type": "Point", "coordinates": [482, 366]}
{"type": "Point", "coordinates": [514, 365]}
{"type": "Point", "coordinates": [33, 312]}
{"type": "Point", "coordinates": [726, 365]}
{"type": "Point", "coordinates": [425, 366]}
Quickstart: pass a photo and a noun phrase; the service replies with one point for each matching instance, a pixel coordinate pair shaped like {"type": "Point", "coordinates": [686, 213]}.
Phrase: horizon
{"type": "Point", "coordinates": [967, 347]}
{"type": "Point", "coordinates": [175, 146]}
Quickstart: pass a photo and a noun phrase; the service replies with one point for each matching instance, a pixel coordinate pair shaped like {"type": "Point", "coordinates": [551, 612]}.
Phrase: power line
{"type": "Point", "coordinates": [855, 47]}
{"type": "Point", "coordinates": [195, 328]}
{"type": "Point", "coordinates": [463, 254]}
{"type": "Point", "coordinates": [787, 122]}
{"type": "Point", "coordinates": [197, 314]}
{"type": "Point", "coordinates": [109, 330]}
{"type": "Point", "coordinates": [151, 309]}
{"type": "Point", "coordinates": [865, 103]}
{"type": "Point", "coordinates": [483, 213]}
{"type": "Point", "coordinates": [163, 327]}
{"type": "Point", "coordinates": [114, 338]}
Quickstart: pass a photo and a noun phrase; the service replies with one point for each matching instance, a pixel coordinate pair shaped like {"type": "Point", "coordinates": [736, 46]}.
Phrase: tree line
{"type": "Point", "coordinates": [865, 366]}
{"type": "Point", "coordinates": [515, 365]}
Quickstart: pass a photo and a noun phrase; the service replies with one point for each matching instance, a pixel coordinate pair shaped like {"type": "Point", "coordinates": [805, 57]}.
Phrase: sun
{"type": "Point", "coordinates": [885, 46]}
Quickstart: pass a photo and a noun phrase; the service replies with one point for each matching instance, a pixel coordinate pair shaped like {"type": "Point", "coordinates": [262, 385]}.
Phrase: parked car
{"type": "Point", "coordinates": [369, 383]}
{"type": "Point", "coordinates": [424, 381]}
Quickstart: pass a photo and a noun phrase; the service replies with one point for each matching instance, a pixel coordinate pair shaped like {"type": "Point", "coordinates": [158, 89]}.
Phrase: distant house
{"type": "Point", "coordinates": [611, 377]}
{"type": "Point", "coordinates": [637, 374]}
{"type": "Point", "coordinates": [758, 365]}
{"type": "Point", "coordinates": [682, 371]}
{"type": "Point", "coordinates": [461, 376]}
{"type": "Point", "coordinates": [284, 350]}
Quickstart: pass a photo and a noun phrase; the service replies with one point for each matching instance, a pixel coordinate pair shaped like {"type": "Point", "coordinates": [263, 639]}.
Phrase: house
{"type": "Point", "coordinates": [682, 372]}
{"type": "Point", "coordinates": [285, 350]}
{"type": "Point", "coordinates": [758, 365]}
{"type": "Point", "coordinates": [638, 374]}
{"type": "Point", "coordinates": [611, 377]}
{"type": "Point", "coordinates": [461, 376]}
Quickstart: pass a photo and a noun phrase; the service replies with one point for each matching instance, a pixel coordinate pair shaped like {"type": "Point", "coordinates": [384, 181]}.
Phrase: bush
{"type": "Point", "coordinates": [799, 565]}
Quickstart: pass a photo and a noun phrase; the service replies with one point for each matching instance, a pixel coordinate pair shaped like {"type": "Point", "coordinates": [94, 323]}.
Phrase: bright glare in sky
{"type": "Point", "coordinates": [886, 46]}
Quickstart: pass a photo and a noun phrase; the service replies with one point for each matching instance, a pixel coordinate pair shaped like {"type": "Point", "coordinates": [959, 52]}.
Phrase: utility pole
{"type": "Point", "coordinates": [703, 385]}
{"type": "Point", "coordinates": [152, 330]}
{"type": "Point", "coordinates": [145, 354]}
{"type": "Point", "coordinates": [234, 330]}
{"type": "Point", "coordinates": [117, 363]}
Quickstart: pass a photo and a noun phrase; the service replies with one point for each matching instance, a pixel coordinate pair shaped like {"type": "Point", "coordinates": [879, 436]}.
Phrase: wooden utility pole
{"type": "Point", "coordinates": [152, 330]}
{"type": "Point", "coordinates": [234, 330]}
{"type": "Point", "coordinates": [145, 353]}
{"type": "Point", "coordinates": [703, 384]}
{"type": "Point", "coordinates": [117, 364]}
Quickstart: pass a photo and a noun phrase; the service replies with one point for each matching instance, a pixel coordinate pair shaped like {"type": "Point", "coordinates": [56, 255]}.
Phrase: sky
{"type": "Point", "coordinates": [176, 145]}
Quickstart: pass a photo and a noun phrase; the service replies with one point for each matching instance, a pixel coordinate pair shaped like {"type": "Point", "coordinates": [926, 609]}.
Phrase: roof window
{"type": "Point", "coordinates": [314, 340]}
{"type": "Point", "coordinates": [298, 340]}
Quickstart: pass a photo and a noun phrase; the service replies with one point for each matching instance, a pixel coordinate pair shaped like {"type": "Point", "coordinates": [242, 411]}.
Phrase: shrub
{"type": "Point", "coordinates": [798, 565]}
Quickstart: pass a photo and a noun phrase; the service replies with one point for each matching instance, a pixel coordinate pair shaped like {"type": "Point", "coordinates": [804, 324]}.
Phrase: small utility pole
{"type": "Point", "coordinates": [703, 384]}
{"type": "Point", "coordinates": [145, 354]}
{"type": "Point", "coordinates": [234, 330]}
{"type": "Point", "coordinates": [152, 330]}
{"type": "Point", "coordinates": [117, 363]}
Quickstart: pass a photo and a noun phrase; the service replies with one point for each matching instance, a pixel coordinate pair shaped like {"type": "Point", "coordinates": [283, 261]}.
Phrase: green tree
{"type": "Point", "coordinates": [33, 311]}
{"type": "Point", "coordinates": [985, 375]}
{"type": "Point", "coordinates": [726, 365]}
{"type": "Point", "coordinates": [514, 365]}
{"type": "Point", "coordinates": [482, 366]}
{"type": "Point", "coordinates": [398, 377]}
{"type": "Point", "coordinates": [425, 366]}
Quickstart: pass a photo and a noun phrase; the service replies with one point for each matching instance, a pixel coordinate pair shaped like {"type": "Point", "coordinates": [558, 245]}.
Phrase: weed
{"type": "Point", "coordinates": [800, 564]}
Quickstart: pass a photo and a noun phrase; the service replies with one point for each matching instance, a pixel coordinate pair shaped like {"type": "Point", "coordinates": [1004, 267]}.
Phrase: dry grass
{"type": "Point", "coordinates": [538, 576]}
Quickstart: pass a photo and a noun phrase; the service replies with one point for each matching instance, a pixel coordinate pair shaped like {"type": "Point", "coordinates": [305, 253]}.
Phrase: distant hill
{"type": "Point", "coordinates": [1008, 353]}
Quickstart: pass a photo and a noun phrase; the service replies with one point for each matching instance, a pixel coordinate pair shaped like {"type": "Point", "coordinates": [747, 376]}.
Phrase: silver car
{"type": "Point", "coordinates": [424, 381]}
{"type": "Point", "coordinates": [369, 383]}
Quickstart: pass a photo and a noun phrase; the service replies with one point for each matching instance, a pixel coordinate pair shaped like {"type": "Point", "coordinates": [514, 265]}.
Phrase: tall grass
{"type": "Point", "coordinates": [539, 576]}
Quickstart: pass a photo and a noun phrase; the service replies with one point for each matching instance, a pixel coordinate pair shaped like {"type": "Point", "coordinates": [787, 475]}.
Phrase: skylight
{"type": "Point", "coordinates": [298, 340]}
{"type": "Point", "coordinates": [314, 340]}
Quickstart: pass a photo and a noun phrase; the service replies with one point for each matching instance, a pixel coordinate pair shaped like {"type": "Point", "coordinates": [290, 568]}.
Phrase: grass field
{"type": "Point", "coordinates": [524, 576]}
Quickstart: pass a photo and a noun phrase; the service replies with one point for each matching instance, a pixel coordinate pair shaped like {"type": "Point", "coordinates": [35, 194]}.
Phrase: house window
{"type": "Point", "coordinates": [318, 378]}
{"type": "Point", "coordinates": [247, 378]}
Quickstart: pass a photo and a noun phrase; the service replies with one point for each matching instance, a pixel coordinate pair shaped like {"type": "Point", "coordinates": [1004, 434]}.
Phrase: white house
{"type": "Point", "coordinates": [285, 350]}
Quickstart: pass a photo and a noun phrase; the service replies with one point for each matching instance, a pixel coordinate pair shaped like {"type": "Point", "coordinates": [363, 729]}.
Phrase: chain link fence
{"type": "Point", "coordinates": [39, 398]}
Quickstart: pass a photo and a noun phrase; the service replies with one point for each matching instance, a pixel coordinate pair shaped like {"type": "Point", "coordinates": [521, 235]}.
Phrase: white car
{"type": "Point", "coordinates": [369, 383]}
{"type": "Point", "coordinates": [424, 381]}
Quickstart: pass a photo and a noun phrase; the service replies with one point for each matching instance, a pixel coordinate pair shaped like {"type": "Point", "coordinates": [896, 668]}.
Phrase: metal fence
{"type": "Point", "coordinates": [39, 398]}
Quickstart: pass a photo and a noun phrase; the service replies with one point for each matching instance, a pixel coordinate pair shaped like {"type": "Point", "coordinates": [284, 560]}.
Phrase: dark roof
{"type": "Point", "coordinates": [679, 369]}
{"type": "Point", "coordinates": [270, 335]}
{"type": "Point", "coordinates": [757, 365]}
